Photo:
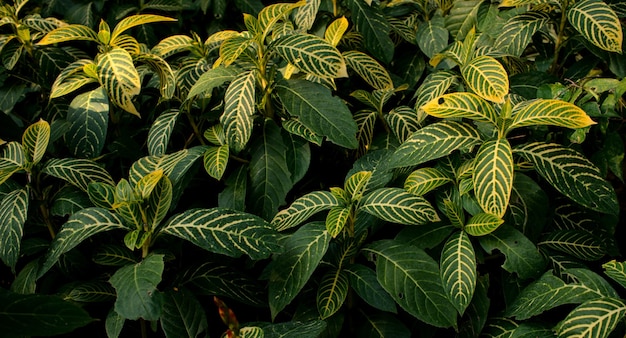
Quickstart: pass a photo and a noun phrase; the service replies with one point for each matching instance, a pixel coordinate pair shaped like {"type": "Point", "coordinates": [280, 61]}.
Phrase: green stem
{"type": "Point", "coordinates": [559, 38]}
{"type": "Point", "coordinates": [144, 328]}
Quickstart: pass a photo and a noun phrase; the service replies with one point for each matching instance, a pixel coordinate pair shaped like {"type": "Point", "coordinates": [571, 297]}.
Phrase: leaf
{"type": "Point", "coordinates": [368, 69]}
{"type": "Point", "coordinates": [578, 243]}
{"type": "Point", "coordinates": [183, 316]}
{"type": "Point", "coordinates": [13, 213]}
{"type": "Point", "coordinates": [463, 16]}
{"type": "Point", "coordinates": [432, 36]}
{"type": "Point", "coordinates": [597, 23]}
{"type": "Point", "coordinates": [233, 47]}
{"type": "Point", "coordinates": [161, 131]}
{"type": "Point", "coordinates": [305, 15]}
{"type": "Point", "coordinates": [595, 318]}
{"type": "Point", "coordinates": [549, 112]}
{"type": "Point", "coordinates": [167, 78]}
{"type": "Point", "coordinates": [462, 105]}
{"type": "Point", "coordinates": [482, 224]}
{"type": "Point", "coordinates": [303, 208]}
{"type": "Point", "coordinates": [434, 141]}
{"type": "Point", "coordinates": [78, 228]}
{"type": "Point", "coordinates": [373, 26]}
{"type": "Point", "coordinates": [528, 206]}
{"type": "Point", "coordinates": [89, 292]}
{"type": "Point", "coordinates": [290, 271]}
{"type": "Point", "coordinates": [335, 30]}
{"type": "Point", "coordinates": [458, 270]}
{"type": "Point", "coordinates": [172, 45]}
{"type": "Point", "coordinates": [518, 31]}
{"type": "Point", "coordinates": [25, 282]}
{"type": "Point", "coordinates": [113, 255]}
{"type": "Point", "coordinates": [298, 156]}
{"type": "Point", "coordinates": [234, 194]}
{"type": "Point", "coordinates": [118, 76]}
{"type": "Point", "coordinates": [493, 176]}
{"type": "Point", "coordinates": [69, 200]}
{"type": "Point", "coordinates": [412, 279]}
{"type": "Point", "coordinates": [239, 108]}
{"type": "Point", "coordinates": [114, 324]}
{"type": "Point", "coordinates": [101, 194]}
{"type": "Point", "coordinates": [225, 232]}
{"type": "Point", "coordinates": [616, 271]}
{"type": "Point", "coordinates": [11, 160]}
{"type": "Point", "coordinates": [403, 122]}
{"type": "Point", "coordinates": [159, 203]}
{"type": "Point", "coordinates": [71, 78]}
{"type": "Point", "coordinates": [336, 220]}
{"type": "Point", "coordinates": [424, 180]}
{"type": "Point", "coordinates": [311, 54]}
{"type": "Point", "coordinates": [215, 160]}
{"type": "Point", "coordinates": [571, 174]}
{"type": "Point", "coordinates": [522, 256]}
{"type": "Point", "coordinates": [332, 293]}
{"type": "Point", "coordinates": [251, 332]}
{"type": "Point", "coordinates": [271, 14]}
{"type": "Point", "coordinates": [425, 236]}
{"type": "Point", "coordinates": [397, 206]}
{"type": "Point", "coordinates": [69, 33]}
{"type": "Point", "coordinates": [35, 141]}
{"type": "Point", "coordinates": [487, 78]}
{"type": "Point", "coordinates": [79, 172]}
{"type": "Point", "coordinates": [435, 84]}
{"type": "Point", "coordinates": [363, 281]}
{"type": "Point", "coordinates": [378, 325]}
{"type": "Point", "coordinates": [136, 286]}
{"type": "Point", "coordinates": [303, 329]}
{"type": "Point", "coordinates": [319, 111]}
{"type": "Point", "coordinates": [51, 315]}
{"type": "Point", "coordinates": [88, 115]}
{"type": "Point", "coordinates": [136, 20]}
{"type": "Point", "coordinates": [295, 127]}
{"type": "Point", "coordinates": [211, 79]}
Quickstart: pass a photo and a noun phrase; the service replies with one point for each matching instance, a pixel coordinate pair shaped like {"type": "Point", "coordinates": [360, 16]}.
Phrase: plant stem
{"type": "Point", "coordinates": [144, 328]}
{"type": "Point", "coordinates": [194, 127]}
{"type": "Point", "coordinates": [559, 38]}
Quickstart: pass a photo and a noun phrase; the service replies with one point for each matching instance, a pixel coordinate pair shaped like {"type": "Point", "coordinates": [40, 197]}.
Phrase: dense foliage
{"type": "Point", "coordinates": [319, 168]}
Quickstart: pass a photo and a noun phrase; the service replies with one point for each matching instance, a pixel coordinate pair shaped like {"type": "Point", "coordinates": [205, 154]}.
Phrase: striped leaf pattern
{"type": "Point", "coordinates": [458, 270]}
{"type": "Point", "coordinates": [403, 122]}
{"type": "Point", "coordinates": [435, 85]}
{"type": "Point", "coordinates": [336, 220]}
{"type": "Point", "coordinates": [211, 79]}
{"type": "Point", "coordinates": [147, 164]}
{"type": "Point", "coordinates": [334, 32]}
{"type": "Point", "coordinates": [598, 23]}
{"type": "Point", "coordinates": [239, 108]}
{"type": "Point", "coordinates": [332, 293]}
{"type": "Point", "coordinates": [454, 212]}
{"type": "Point", "coordinates": [215, 161]}
{"type": "Point", "coordinates": [432, 36]}
{"type": "Point", "coordinates": [231, 48]}
{"type": "Point", "coordinates": [69, 33]}
{"type": "Point", "coordinates": [303, 208]}
{"type": "Point", "coordinates": [167, 78]}
{"type": "Point", "coordinates": [271, 14]}
{"type": "Point", "coordinates": [572, 174]}
{"type": "Point", "coordinates": [129, 44]}
{"type": "Point", "coordinates": [101, 194]}
{"type": "Point", "coordinates": [514, 3]}
{"type": "Point", "coordinates": [12, 160]}
{"type": "Point", "coordinates": [160, 132]}
{"type": "Point", "coordinates": [311, 54]}
{"type": "Point", "coordinates": [215, 135]}
{"type": "Point", "coordinates": [493, 176]}
{"type": "Point", "coordinates": [305, 15]}
{"type": "Point", "coordinates": [136, 20]}
{"type": "Point", "coordinates": [296, 127]}
{"type": "Point", "coordinates": [251, 332]}
{"type": "Point", "coordinates": [482, 224]}
{"type": "Point", "coordinates": [79, 172]}
{"type": "Point", "coordinates": [159, 203]}
{"type": "Point", "coordinates": [616, 270]}
{"type": "Point", "coordinates": [365, 121]}
{"type": "Point", "coordinates": [487, 78]}
{"type": "Point", "coordinates": [593, 319]}
{"type": "Point", "coordinates": [518, 31]}
{"type": "Point", "coordinates": [182, 314]}
{"type": "Point", "coordinates": [434, 141]}
{"type": "Point", "coordinates": [549, 112]}
{"type": "Point", "coordinates": [71, 78]}
{"type": "Point", "coordinates": [113, 255]}
{"type": "Point", "coordinates": [577, 243]}
{"type": "Point", "coordinates": [13, 210]}
{"type": "Point", "coordinates": [35, 141]}
{"type": "Point", "coordinates": [172, 45]}
{"type": "Point", "coordinates": [398, 206]}
{"type": "Point", "coordinates": [364, 282]}
{"type": "Point", "coordinates": [146, 184]}
{"type": "Point", "coordinates": [423, 180]}
{"type": "Point", "coordinates": [80, 226]}
{"type": "Point", "coordinates": [119, 77]}
{"type": "Point", "coordinates": [462, 105]}
{"type": "Point", "coordinates": [89, 292]}
{"type": "Point", "coordinates": [225, 232]}
{"type": "Point", "coordinates": [356, 185]}
{"type": "Point", "coordinates": [368, 69]}
{"type": "Point", "coordinates": [89, 117]}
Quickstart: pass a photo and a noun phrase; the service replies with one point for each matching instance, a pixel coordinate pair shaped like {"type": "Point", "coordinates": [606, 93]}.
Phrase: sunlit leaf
{"type": "Point", "coordinates": [71, 78]}
{"type": "Point", "coordinates": [616, 271]}
{"type": "Point", "coordinates": [598, 23]}
{"type": "Point", "coordinates": [493, 176]}
{"type": "Point", "coordinates": [487, 78]}
{"type": "Point", "coordinates": [462, 105]}
{"type": "Point", "coordinates": [334, 32]}
{"type": "Point", "coordinates": [423, 180]}
{"type": "Point", "coordinates": [119, 77]}
{"type": "Point", "coordinates": [458, 270]}
{"type": "Point", "coordinates": [305, 15]}
{"type": "Point", "coordinates": [136, 20]}
{"type": "Point", "coordinates": [311, 54]}
{"type": "Point", "coordinates": [336, 220]}
{"type": "Point", "coordinates": [549, 112]}
{"type": "Point", "coordinates": [271, 14]}
{"type": "Point", "coordinates": [172, 45]}
{"type": "Point", "coordinates": [69, 33]}
{"type": "Point", "coordinates": [35, 141]}
{"type": "Point", "coordinates": [397, 206]}
{"type": "Point", "coordinates": [11, 160]}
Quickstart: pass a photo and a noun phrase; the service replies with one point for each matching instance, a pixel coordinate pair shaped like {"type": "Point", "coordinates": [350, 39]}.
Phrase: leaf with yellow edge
{"type": "Point", "coordinates": [549, 112]}
{"type": "Point", "coordinates": [598, 23]}
{"type": "Point", "coordinates": [269, 15]}
{"type": "Point", "coordinates": [335, 30]}
{"type": "Point", "coordinates": [35, 141]}
{"type": "Point", "coordinates": [356, 184]}
{"type": "Point", "coordinates": [462, 105]}
{"type": "Point", "coordinates": [482, 224]}
{"type": "Point", "coordinates": [493, 176]}
{"type": "Point", "coordinates": [147, 183]}
{"type": "Point", "coordinates": [487, 78]}
{"type": "Point", "coordinates": [127, 43]}
{"type": "Point", "coordinates": [514, 3]}
{"type": "Point", "coordinates": [136, 20]}
{"type": "Point", "coordinates": [69, 33]}
{"type": "Point", "coordinates": [119, 77]}
{"type": "Point", "coordinates": [336, 220]}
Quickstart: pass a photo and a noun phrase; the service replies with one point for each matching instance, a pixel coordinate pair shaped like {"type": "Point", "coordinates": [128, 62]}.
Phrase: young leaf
{"type": "Point", "coordinates": [215, 161]}
{"type": "Point", "coordinates": [423, 180]}
{"type": "Point", "coordinates": [89, 117]}
{"type": "Point", "coordinates": [597, 23]}
{"type": "Point", "coordinates": [482, 224]}
{"type": "Point", "coordinates": [303, 208]}
{"type": "Point", "coordinates": [69, 33]}
{"type": "Point", "coordinates": [332, 293]}
{"type": "Point", "coordinates": [549, 112]}
{"type": "Point", "coordinates": [311, 54]}
{"type": "Point", "coordinates": [183, 315]}
{"type": "Point", "coordinates": [79, 172]}
{"type": "Point", "coordinates": [172, 45]}
{"type": "Point", "coordinates": [167, 78]}
{"type": "Point", "coordinates": [595, 318]}
{"type": "Point", "coordinates": [356, 185]}
{"type": "Point", "coordinates": [13, 210]}
{"type": "Point", "coordinates": [397, 206]}
{"type": "Point", "coordinates": [135, 20]}
{"type": "Point", "coordinates": [136, 286]}
{"type": "Point", "coordinates": [493, 176]}
{"type": "Point", "coordinates": [225, 232]}
{"type": "Point", "coordinates": [336, 220]}
{"type": "Point", "coordinates": [271, 14]}
{"type": "Point", "coordinates": [578, 243]}
{"type": "Point", "coordinates": [458, 270]}
{"type": "Point", "coordinates": [211, 79]}
{"type": "Point", "coordinates": [239, 108]}
{"type": "Point", "coordinates": [518, 31]}
{"type": "Point", "coordinates": [118, 76]}
{"type": "Point", "coordinates": [335, 30]}
{"type": "Point", "coordinates": [291, 270]}
{"type": "Point", "coordinates": [160, 132]}
{"type": "Point", "coordinates": [35, 141]}
{"type": "Point", "coordinates": [412, 279]}
{"type": "Point", "coordinates": [363, 281]}
{"type": "Point", "coordinates": [487, 78]}
{"type": "Point", "coordinates": [462, 105]}
{"type": "Point", "coordinates": [369, 69]}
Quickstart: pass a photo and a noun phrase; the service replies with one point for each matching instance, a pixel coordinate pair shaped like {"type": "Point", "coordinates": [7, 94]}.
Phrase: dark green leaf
{"type": "Point", "coordinates": [364, 282]}
{"type": "Point", "coordinates": [372, 24]}
{"type": "Point", "coordinates": [79, 172]}
{"type": "Point", "coordinates": [432, 36]}
{"type": "Point", "coordinates": [160, 132]}
{"type": "Point", "coordinates": [234, 195]}
{"type": "Point", "coordinates": [183, 316]}
{"type": "Point", "coordinates": [69, 200]}
{"type": "Point", "coordinates": [89, 117]}
{"type": "Point", "coordinates": [13, 210]}
{"type": "Point", "coordinates": [381, 325]}
{"type": "Point", "coordinates": [113, 255]}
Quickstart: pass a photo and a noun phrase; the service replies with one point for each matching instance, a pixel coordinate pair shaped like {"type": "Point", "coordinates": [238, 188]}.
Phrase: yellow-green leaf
{"type": "Point", "coordinates": [146, 184]}
{"type": "Point", "coordinates": [335, 30]}
{"type": "Point", "coordinates": [598, 23]}
{"type": "Point", "coordinates": [136, 20]}
{"type": "Point", "coordinates": [493, 176]}
{"type": "Point", "coordinates": [462, 105]}
{"type": "Point", "coordinates": [513, 3]}
{"type": "Point", "coordinates": [369, 69]}
{"type": "Point", "coordinates": [128, 43]}
{"type": "Point", "coordinates": [269, 15]}
{"type": "Point", "coordinates": [232, 47]}
{"type": "Point", "coordinates": [487, 78]}
{"type": "Point", "coordinates": [549, 112]}
{"type": "Point", "coordinates": [69, 33]}
{"type": "Point", "coordinates": [120, 78]}
{"type": "Point", "coordinates": [423, 180]}
{"type": "Point", "coordinates": [336, 220]}
{"type": "Point", "coordinates": [312, 55]}
{"type": "Point", "coordinates": [11, 160]}
{"type": "Point", "coordinates": [172, 45]}
{"type": "Point", "coordinates": [71, 78]}
{"type": "Point", "coordinates": [356, 184]}
{"type": "Point", "coordinates": [215, 161]}
{"type": "Point", "coordinates": [482, 224]}
{"type": "Point", "coordinates": [35, 141]}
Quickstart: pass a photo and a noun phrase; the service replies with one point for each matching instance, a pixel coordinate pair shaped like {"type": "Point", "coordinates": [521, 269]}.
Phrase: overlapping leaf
{"type": "Point", "coordinates": [215, 160]}
{"type": "Point", "coordinates": [616, 271]}
{"type": "Point", "coordinates": [370, 21]}
{"type": "Point", "coordinates": [369, 69]}
{"type": "Point", "coordinates": [312, 55]}
{"type": "Point", "coordinates": [90, 292]}
{"type": "Point", "coordinates": [493, 176]}
{"type": "Point", "coordinates": [522, 256]}
{"type": "Point", "coordinates": [211, 79]}
{"type": "Point", "coordinates": [397, 206]}
{"type": "Point", "coordinates": [403, 122]}
{"type": "Point", "coordinates": [462, 18]}
{"type": "Point", "coordinates": [89, 117]}
{"type": "Point", "coordinates": [183, 315]}
{"type": "Point", "coordinates": [79, 172]}
{"type": "Point", "coordinates": [232, 47]}
{"type": "Point", "coordinates": [462, 105]}
{"type": "Point", "coordinates": [487, 78]}
{"type": "Point", "coordinates": [482, 224]}
{"type": "Point", "coordinates": [160, 132]}
{"type": "Point", "coordinates": [11, 160]}
{"type": "Point", "coordinates": [118, 76]}
{"type": "Point", "coordinates": [71, 78]}
{"type": "Point", "coordinates": [423, 180]}
{"type": "Point", "coordinates": [578, 243]}
{"type": "Point", "coordinates": [69, 33]}
{"type": "Point", "coordinates": [303, 208]}
{"type": "Point", "coordinates": [296, 127]}
{"type": "Point", "coordinates": [458, 270]}
{"type": "Point", "coordinates": [136, 20]}
{"type": "Point", "coordinates": [595, 318]}
{"type": "Point", "coordinates": [269, 15]}
{"type": "Point", "coordinates": [336, 220]}
{"type": "Point", "coordinates": [113, 255]}
{"type": "Point", "coordinates": [239, 108]}
{"type": "Point", "coordinates": [518, 31]}
{"type": "Point", "coordinates": [432, 36]}
{"type": "Point", "coordinates": [364, 282]}
{"type": "Point", "coordinates": [598, 23]}
{"type": "Point", "coordinates": [435, 85]}
{"type": "Point", "coordinates": [172, 45]}
{"type": "Point", "coordinates": [332, 293]}
{"type": "Point", "coordinates": [35, 141]}
{"type": "Point", "coordinates": [305, 15]}
{"type": "Point", "coordinates": [13, 210]}
{"type": "Point", "coordinates": [549, 112]}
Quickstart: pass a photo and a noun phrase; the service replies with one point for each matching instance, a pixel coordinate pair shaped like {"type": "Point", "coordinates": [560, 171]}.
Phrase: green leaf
{"type": "Point", "coordinates": [403, 122]}
{"type": "Point", "coordinates": [595, 318]}
{"type": "Point", "coordinates": [11, 160]}
{"type": "Point", "coordinates": [136, 286]}
{"type": "Point", "coordinates": [25, 282]}
{"type": "Point", "coordinates": [368, 69]}
{"type": "Point", "coordinates": [424, 180]}
{"type": "Point", "coordinates": [578, 243]}
{"type": "Point", "coordinates": [101, 194]}
{"type": "Point", "coordinates": [239, 108]}
{"type": "Point", "coordinates": [487, 78]}
{"type": "Point", "coordinates": [356, 185]}
{"type": "Point", "coordinates": [89, 292]}
{"type": "Point", "coordinates": [225, 232]}
{"type": "Point", "coordinates": [167, 78]}
{"type": "Point", "coordinates": [303, 208]}
{"type": "Point", "coordinates": [78, 228]}
{"type": "Point", "coordinates": [233, 46]}
{"type": "Point", "coordinates": [183, 315]}
{"type": "Point", "coordinates": [373, 26]}
{"type": "Point", "coordinates": [522, 256]}
{"type": "Point", "coordinates": [435, 84]}
{"type": "Point", "coordinates": [172, 45]}
{"type": "Point", "coordinates": [215, 135]}
{"type": "Point", "coordinates": [311, 54]}
{"type": "Point", "coordinates": [79, 172]}
{"type": "Point", "coordinates": [462, 105]}
{"type": "Point", "coordinates": [597, 23]}
{"type": "Point", "coordinates": [528, 206]}
{"type": "Point", "coordinates": [572, 174]}
{"type": "Point", "coordinates": [159, 203]}
{"type": "Point", "coordinates": [308, 329]}
{"type": "Point", "coordinates": [251, 332]}
{"type": "Point", "coordinates": [136, 20]}
{"type": "Point", "coordinates": [298, 156]}
{"type": "Point", "coordinates": [211, 79]}
{"type": "Point", "coordinates": [462, 18]}
{"type": "Point", "coordinates": [35, 141]}
{"type": "Point", "coordinates": [114, 324]}
{"type": "Point", "coordinates": [549, 112]}
{"type": "Point", "coordinates": [113, 255]}
{"type": "Point", "coordinates": [305, 15]}
{"type": "Point", "coordinates": [432, 142]}
{"type": "Point", "coordinates": [271, 14]}
{"type": "Point", "coordinates": [426, 236]}
{"type": "Point", "coordinates": [215, 161]}
{"type": "Point", "coordinates": [397, 206]}
{"type": "Point", "coordinates": [363, 281]}
{"type": "Point", "coordinates": [88, 115]}
{"type": "Point", "coordinates": [493, 176]}
{"type": "Point", "coordinates": [378, 325]}
{"type": "Point", "coordinates": [296, 127]}
{"type": "Point", "coordinates": [69, 33]}
{"type": "Point", "coordinates": [39, 315]}
{"type": "Point", "coordinates": [13, 210]}
{"type": "Point", "coordinates": [234, 194]}
{"type": "Point", "coordinates": [69, 200]}
{"type": "Point", "coordinates": [72, 78]}
{"type": "Point", "coordinates": [482, 224]}
{"type": "Point", "coordinates": [616, 271]}
{"type": "Point", "coordinates": [319, 111]}
{"type": "Point", "coordinates": [412, 279]}
{"type": "Point", "coordinates": [518, 31]}
{"type": "Point", "coordinates": [118, 76]}
{"type": "Point", "coordinates": [458, 270]}
{"type": "Point", "coordinates": [290, 271]}
{"type": "Point", "coordinates": [432, 36]}
{"type": "Point", "coordinates": [161, 131]}
{"type": "Point", "coordinates": [332, 293]}
{"type": "Point", "coordinates": [336, 220]}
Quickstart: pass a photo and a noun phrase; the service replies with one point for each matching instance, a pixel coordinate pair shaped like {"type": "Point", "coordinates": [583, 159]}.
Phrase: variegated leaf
{"type": "Point", "coordinates": [215, 40]}
{"type": "Point", "coordinates": [159, 203]}
{"type": "Point", "coordinates": [398, 206]}
{"type": "Point", "coordinates": [183, 314]}
{"type": "Point", "coordinates": [332, 293]}
{"type": "Point", "coordinates": [232, 47]}
{"type": "Point", "coordinates": [303, 208]}
{"type": "Point", "coordinates": [432, 36]}
{"type": "Point", "coordinates": [136, 20]}
{"type": "Point", "coordinates": [493, 176]}
{"type": "Point", "coordinates": [271, 14]}
{"type": "Point", "coordinates": [435, 85]}
{"type": "Point", "coordinates": [423, 180]}
{"type": "Point", "coordinates": [296, 127]}
{"type": "Point", "coordinates": [463, 16]}
{"type": "Point", "coordinates": [113, 255]}
{"type": "Point", "coordinates": [43, 25]}
{"type": "Point", "coordinates": [334, 32]}
{"type": "Point", "coordinates": [372, 24]}
{"type": "Point", "coordinates": [225, 232]}
{"type": "Point", "coordinates": [211, 79]}
{"type": "Point", "coordinates": [160, 132]}
{"type": "Point", "coordinates": [239, 108]}
{"type": "Point", "coordinates": [462, 105]}
{"type": "Point", "coordinates": [11, 160]}
{"type": "Point", "coordinates": [167, 78]}
{"type": "Point", "coordinates": [616, 271]}
{"type": "Point", "coordinates": [369, 69]}
{"type": "Point", "coordinates": [120, 78]}
{"type": "Point", "coordinates": [251, 332]}
{"type": "Point", "coordinates": [90, 292]}
{"type": "Point", "coordinates": [458, 270]}
{"type": "Point", "coordinates": [128, 43]}
{"type": "Point", "coordinates": [403, 122]}
{"type": "Point", "coordinates": [336, 220]}
{"type": "Point", "coordinates": [172, 45]}
{"type": "Point", "coordinates": [144, 187]}
{"type": "Point", "coordinates": [572, 174]}
{"type": "Point", "coordinates": [312, 55]}
{"type": "Point", "coordinates": [356, 185]}
{"type": "Point", "coordinates": [215, 135]}
{"type": "Point", "coordinates": [364, 282]}
{"type": "Point", "coordinates": [578, 243]}
{"type": "Point", "coordinates": [598, 23]}
{"type": "Point", "coordinates": [514, 3]}
{"type": "Point", "coordinates": [89, 117]}
{"type": "Point", "coordinates": [365, 122]}
{"type": "Point", "coordinates": [455, 213]}
{"type": "Point", "coordinates": [35, 141]}
{"type": "Point", "coordinates": [593, 319]}
{"type": "Point", "coordinates": [487, 78]}
{"type": "Point", "coordinates": [69, 33]}
{"type": "Point", "coordinates": [13, 210]}
{"type": "Point", "coordinates": [434, 141]}
{"type": "Point", "coordinates": [79, 172]}
{"type": "Point", "coordinates": [518, 32]}
{"type": "Point", "coordinates": [71, 78]}
{"type": "Point", "coordinates": [305, 15]}
{"type": "Point", "coordinates": [482, 224]}
{"type": "Point", "coordinates": [215, 161]}
{"type": "Point", "coordinates": [549, 112]}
